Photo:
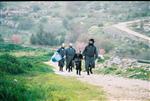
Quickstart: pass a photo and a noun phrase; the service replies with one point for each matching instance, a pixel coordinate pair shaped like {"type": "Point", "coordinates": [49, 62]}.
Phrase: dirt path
{"type": "Point", "coordinates": [123, 26]}
{"type": "Point", "coordinates": [117, 88]}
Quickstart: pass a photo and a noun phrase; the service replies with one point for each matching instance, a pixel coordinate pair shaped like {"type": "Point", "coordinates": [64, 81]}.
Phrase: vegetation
{"type": "Point", "coordinates": [9, 47]}
{"type": "Point", "coordinates": [47, 87]}
{"type": "Point", "coordinates": [1, 39]}
{"type": "Point", "coordinates": [23, 75]}
{"type": "Point", "coordinates": [142, 27]}
{"type": "Point", "coordinates": [10, 64]}
{"type": "Point", "coordinates": [47, 38]}
{"type": "Point", "coordinates": [133, 49]}
{"type": "Point", "coordinates": [101, 60]}
{"type": "Point", "coordinates": [26, 78]}
{"type": "Point", "coordinates": [73, 19]}
{"type": "Point", "coordinates": [136, 73]}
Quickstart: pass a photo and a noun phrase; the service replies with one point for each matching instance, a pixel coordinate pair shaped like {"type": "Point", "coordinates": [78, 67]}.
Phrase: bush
{"type": "Point", "coordinates": [7, 47]}
{"type": "Point", "coordinates": [11, 90]}
{"type": "Point", "coordinates": [47, 38]}
{"type": "Point", "coordinates": [107, 70]}
{"type": "Point", "coordinates": [100, 60]}
{"type": "Point", "coordinates": [25, 24]}
{"type": "Point", "coordinates": [12, 65]}
{"type": "Point", "coordinates": [1, 39]}
{"type": "Point", "coordinates": [137, 73]}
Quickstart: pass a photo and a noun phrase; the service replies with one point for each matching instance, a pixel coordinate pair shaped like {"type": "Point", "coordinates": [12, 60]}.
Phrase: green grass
{"type": "Point", "coordinates": [9, 47]}
{"type": "Point", "coordinates": [106, 57]}
{"type": "Point", "coordinates": [24, 77]}
{"type": "Point", "coordinates": [48, 87]}
{"type": "Point", "coordinates": [136, 73]}
{"type": "Point", "coordinates": [12, 65]}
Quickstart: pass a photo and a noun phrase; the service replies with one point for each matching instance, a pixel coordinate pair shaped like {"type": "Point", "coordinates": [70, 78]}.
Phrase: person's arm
{"type": "Point", "coordinates": [74, 53]}
{"type": "Point", "coordinates": [74, 57]}
{"type": "Point", "coordinates": [58, 50]}
{"type": "Point", "coordinates": [84, 51]}
{"type": "Point", "coordinates": [96, 53]}
{"type": "Point", "coordinates": [66, 52]}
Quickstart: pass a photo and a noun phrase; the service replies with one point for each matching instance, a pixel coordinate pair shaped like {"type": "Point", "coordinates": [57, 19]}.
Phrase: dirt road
{"type": "Point", "coordinates": [123, 27]}
{"type": "Point", "coordinates": [117, 88]}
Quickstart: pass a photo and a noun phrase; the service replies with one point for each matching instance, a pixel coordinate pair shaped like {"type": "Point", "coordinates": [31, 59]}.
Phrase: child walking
{"type": "Point", "coordinates": [78, 62]}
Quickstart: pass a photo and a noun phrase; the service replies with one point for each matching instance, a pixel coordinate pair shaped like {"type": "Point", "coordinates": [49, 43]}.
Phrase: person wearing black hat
{"type": "Point", "coordinates": [90, 55]}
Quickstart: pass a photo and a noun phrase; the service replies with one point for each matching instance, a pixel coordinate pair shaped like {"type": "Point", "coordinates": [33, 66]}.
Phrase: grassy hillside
{"type": "Point", "coordinates": [27, 19]}
{"type": "Point", "coordinates": [24, 77]}
{"type": "Point", "coordinates": [52, 23]}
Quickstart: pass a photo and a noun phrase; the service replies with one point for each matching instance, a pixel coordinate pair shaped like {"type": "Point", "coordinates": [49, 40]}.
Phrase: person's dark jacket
{"type": "Point", "coordinates": [62, 52]}
{"type": "Point", "coordinates": [91, 54]}
{"type": "Point", "coordinates": [78, 60]}
{"type": "Point", "coordinates": [70, 52]}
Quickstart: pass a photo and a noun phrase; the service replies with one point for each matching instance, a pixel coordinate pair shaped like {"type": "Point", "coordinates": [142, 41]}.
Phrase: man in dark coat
{"type": "Point", "coordinates": [78, 62]}
{"type": "Point", "coordinates": [62, 52]}
{"type": "Point", "coordinates": [70, 52]}
{"type": "Point", "coordinates": [90, 55]}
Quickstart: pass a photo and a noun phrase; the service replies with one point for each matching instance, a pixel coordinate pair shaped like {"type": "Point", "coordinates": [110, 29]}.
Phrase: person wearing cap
{"type": "Point", "coordinates": [62, 52]}
{"type": "Point", "coordinates": [70, 52]}
{"type": "Point", "coordinates": [90, 55]}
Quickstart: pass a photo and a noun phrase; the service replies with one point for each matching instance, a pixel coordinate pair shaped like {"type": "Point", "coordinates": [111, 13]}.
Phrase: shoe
{"type": "Point", "coordinates": [77, 72]}
{"type": "Point", "coordinates": [91, 71]}
{"type": "Point", "coordinates": [59, 68]}
{"type": "Point", "coordinates": [88, 73]}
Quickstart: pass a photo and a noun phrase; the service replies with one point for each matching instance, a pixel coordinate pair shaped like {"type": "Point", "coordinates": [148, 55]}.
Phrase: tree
{"type": "Point", "coordinates": [25, 24]}
{"type": "Point", "coordinates": [16, 39]}
{"type": "Point", "coordinates": [1, 5]}
{"type": "Point", "coordinates": [43, 37]}
{"type": "Point", "coordinates": [1, 39]}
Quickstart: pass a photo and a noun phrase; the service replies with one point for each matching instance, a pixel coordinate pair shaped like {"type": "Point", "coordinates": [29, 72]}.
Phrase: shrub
{"type": "Point", "coordinates": [7, 47]}
{"type": "Point", "coordinates": [14, 90]}
{"type": "Point", "coordinates": [107, 70]}
{"type": "Point", "coordinates": [136, 73]}
{"type": "Point", "coordinates": [1, 39]}
{"type": "Point", "coordinates": [12, 65]}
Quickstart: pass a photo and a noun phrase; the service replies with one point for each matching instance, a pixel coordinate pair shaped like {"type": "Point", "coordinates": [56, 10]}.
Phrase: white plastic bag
{"type": "Point", "coordinates": [56, 57]}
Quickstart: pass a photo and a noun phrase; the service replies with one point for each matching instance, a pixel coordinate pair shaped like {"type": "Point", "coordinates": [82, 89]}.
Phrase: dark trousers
{"type": "Point", "coordinates": [61, 65]}
{"type": "Point", "coordinates": [78, 67]}
{"type": "Point", "coordinates": [69, 66]}
{"type": "Point", "coordinates": [89, 64]}
{"type": "Point", "coordinates": [89, 69]}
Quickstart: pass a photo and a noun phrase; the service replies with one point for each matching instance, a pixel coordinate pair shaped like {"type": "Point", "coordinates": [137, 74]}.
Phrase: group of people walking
{"type": "Point", "coordinates": [74, 58]}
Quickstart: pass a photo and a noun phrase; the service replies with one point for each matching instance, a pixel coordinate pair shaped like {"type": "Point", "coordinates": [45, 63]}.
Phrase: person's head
{"type": "Point", "coordinates": [91, 41]}
{"type": "Point", "coordinates": [70, 44]}
{"type": "Point", "coordinates": [63, 45]}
